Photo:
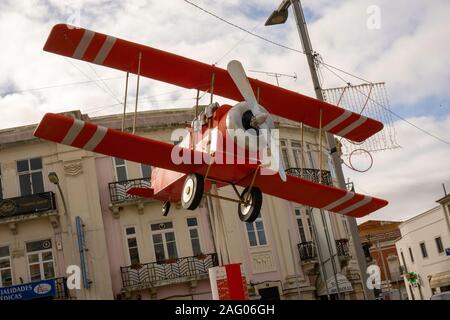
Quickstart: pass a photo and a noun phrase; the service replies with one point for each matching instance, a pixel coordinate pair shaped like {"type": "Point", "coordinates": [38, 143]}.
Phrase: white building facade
{"type": "Point", "coordinates": [424, 249]}
{"type": "Point", "coordinates": [134, 252]}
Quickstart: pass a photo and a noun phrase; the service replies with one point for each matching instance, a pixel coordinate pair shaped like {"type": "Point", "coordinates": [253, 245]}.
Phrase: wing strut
{"type": "Point", "coordinates": [137, 92]}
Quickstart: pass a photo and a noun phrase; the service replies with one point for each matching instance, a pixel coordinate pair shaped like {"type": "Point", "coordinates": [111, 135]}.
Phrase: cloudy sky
{"type": "Point", "coordinates": [407, 47]}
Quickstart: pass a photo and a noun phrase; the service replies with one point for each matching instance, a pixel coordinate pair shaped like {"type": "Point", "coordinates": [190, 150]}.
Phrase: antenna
{"type": "Point", "coordinates": [276, 75]}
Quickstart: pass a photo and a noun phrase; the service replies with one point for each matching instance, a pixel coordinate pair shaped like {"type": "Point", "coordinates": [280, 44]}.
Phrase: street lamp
{"type": "Point", "coordinates": [53, 178]}
{"type": "Point", "coordinates": [280, 15]}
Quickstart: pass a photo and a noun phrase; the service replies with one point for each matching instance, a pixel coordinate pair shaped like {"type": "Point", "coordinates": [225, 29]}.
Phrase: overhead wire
{"type": "Point", "coordinates": [58, 86]}
{"type": "Point", "coordinates": [321, 62]}
{"type": "Point", "coordinates": [243, 29]}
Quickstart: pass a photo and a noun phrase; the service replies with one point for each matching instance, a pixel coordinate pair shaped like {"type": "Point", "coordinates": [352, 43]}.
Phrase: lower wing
{"type": "Point", "coordinates": [318, 195]}
{"type": "Point", "coordinates": [91, 137]}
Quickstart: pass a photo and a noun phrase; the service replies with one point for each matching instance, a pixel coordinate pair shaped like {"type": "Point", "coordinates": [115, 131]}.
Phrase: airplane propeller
{"type": "Point", "coordinates": [259, 116]}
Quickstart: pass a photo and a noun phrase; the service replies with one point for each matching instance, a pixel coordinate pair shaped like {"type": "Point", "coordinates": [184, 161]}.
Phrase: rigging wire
{"type": "Point", "coordinates": [103, 82]}
{"type": "Point", "coordinates": [392, 112]}
{"type": "Point", "coordinates": [103, 89]}
{"type": "Point", "coordinates": [235, 46]}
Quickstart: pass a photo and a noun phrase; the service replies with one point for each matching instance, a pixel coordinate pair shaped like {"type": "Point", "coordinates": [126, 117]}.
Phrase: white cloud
{"type": "Point", "coordinates": [410, 178]}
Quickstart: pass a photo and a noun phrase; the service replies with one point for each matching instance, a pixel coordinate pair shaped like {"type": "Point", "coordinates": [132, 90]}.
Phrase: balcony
{"type": "Point", "coordinates": [155, 274]}
{"type": "Point", "coordinates": [13, 210]}
{"type": "Point", "coordinates": [62, 292]}
{"type": "Point", "coordinates": [343, 250]}
{"type": "Point", "coordinates": [118, 190]}
{"type": "Point", "coordinates": [311, 175]}
{"type": "Point", "coordinates": [307, 251]}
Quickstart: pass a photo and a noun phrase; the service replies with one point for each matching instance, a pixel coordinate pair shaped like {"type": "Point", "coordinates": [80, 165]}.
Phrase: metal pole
{"type": "Point", "coordinates": [68, 225]}
{"type": "Point", "coordinates": [322, 269]}
{"type": "Point", "coordinates": [295, 265]}
{"type": "Point", "coordinates": [320, 147]}
{"type": "Point", "coordinates": [302, 151]}
{"type": "Point", "coordinates": [330, 249]}
{"type": "Point", "coordinates": [125, 102]}
{"type": "Point", "coordinates": [307, 47]}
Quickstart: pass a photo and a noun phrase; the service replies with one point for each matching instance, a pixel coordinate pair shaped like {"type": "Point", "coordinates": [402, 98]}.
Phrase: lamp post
{"type": "Point", "coordinates": [53, 178]}
{"type": "Point", "coordinates": [280, 16]}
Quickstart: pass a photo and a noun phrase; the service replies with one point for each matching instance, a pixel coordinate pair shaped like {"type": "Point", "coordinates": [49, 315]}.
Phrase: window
{"type": "Point", "coordinates": [411, 255]}
{"type": "Point", "coordinates": [40, 260]}
{"type": "Point", "coordinates": [394, 267]}
{"type": "Point", "coordinates": [164, 241]}
{"type": "Point", "coordinates": [297, 152]}
{"type": "Point", "coordinates": [146, 171]}
{"type": "Point", "coordinates": [331, 165]}
{"type": "Point", "coordinates": [121, 169]}
{"type": "Point", "coordinates": [439, 245]}
{"type": "Point", "coordinates": [133, 251]}
{"type": "Point", "coordinates": [5, 267]}
{"type": "Point", "coordinates": [310, 156]}
{"type": "Point", "coordinates": [30, 176]}
{"type": "Point", "coordinates": [403, 260]}
{"type": "Point", "coordinates": [256, 234]}
{"type": "Point", "coordinates": [344, 222]}
{"type": "Point", "coordinates": [308, 220]}
{"type": "Point", "coordinates": [194, 235]}
{"type": "Point", "coordinates": [284, 154]}
{"type": "Point", "coordinates": [301, 228]}
{"type": "Point", "coordinates": [423, 248]}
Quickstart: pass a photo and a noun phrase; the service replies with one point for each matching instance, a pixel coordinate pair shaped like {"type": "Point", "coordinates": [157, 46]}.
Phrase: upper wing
{"type": "Point", "coordinates": [85, 135]}
{"type": "Point", "coordinates": [120, 54]}
{"type": "Point", "coordinates": [318, 195]}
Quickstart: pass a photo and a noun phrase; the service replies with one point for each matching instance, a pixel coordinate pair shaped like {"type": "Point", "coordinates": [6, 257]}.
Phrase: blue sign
{"type": "Point", "coordinates": [29, 291]}
{"type": "Point", "coordinates": [447, 251]}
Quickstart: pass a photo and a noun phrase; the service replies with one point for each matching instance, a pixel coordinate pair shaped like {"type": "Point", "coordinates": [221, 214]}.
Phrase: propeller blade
{"type": "Point", "coordinates": [237, 73]}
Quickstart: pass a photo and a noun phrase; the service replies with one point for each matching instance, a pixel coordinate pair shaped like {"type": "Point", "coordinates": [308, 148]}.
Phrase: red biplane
{"type": "Point", "coordinates": [187, 181]}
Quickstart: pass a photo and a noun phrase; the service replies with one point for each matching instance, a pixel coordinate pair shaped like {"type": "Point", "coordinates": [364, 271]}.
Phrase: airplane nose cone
{"type": "Point", "coordinates": [259, 119]}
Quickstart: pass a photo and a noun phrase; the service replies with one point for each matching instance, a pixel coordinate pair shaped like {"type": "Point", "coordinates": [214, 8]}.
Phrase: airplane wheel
{"type": "Point", "coordinates": [165, 208]}
{"type": "Point", "coordinates": [248, 213]}
{"type": "Point", "coordinates": [192, 191]}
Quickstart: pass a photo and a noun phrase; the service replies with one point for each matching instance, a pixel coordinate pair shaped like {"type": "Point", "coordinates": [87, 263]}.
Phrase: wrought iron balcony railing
{"type": "Point", "coordinates": [150, 274]}
{"type": "Point", "coordinates": [311, 175]}
{"type": "Point", "coordinates": [342, 248]}
{"type": "Point", "coordinates": [37, 203]}
{"type": "Point", "coordinates": [307, 251]}
{"type": "Point", "coordinates": [62, 292]}
{"type": "Point", "coordinates": [118, 190]}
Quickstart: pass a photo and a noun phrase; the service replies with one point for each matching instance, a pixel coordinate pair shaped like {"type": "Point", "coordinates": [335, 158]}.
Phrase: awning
{"type": "Point", "coordinates": [441, 279]}
{"type": "Point", "coordinates": [344, 285]}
